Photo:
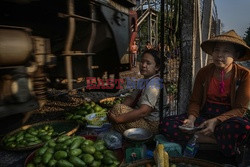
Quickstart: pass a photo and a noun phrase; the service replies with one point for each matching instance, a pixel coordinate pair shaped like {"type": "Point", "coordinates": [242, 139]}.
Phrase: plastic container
{"type": "Point", "coordinates": [246, 157]}
{"type": "Point", "coordinates": [98, 129]}
{"type": "Point", "coordinates": [191, 147]}
{"type": "Point", "coordinates": [173, 149]}
{"type": "Point", "coordinates": [97, 119]}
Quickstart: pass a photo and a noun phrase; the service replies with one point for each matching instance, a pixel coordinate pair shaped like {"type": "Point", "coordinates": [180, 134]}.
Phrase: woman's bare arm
{"type": "Point", "coordinates": [134, 115]}
{"type": "Point", "coordinates": [128, 101]}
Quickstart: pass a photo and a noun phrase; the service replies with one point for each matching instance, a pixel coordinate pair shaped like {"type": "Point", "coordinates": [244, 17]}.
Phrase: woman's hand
{"type": "Point", "coordinates": [189, 122]}
{"type": "Point", "coordinates": [113, 118]}
{"type": "Point", "coordinates": [209, 126]}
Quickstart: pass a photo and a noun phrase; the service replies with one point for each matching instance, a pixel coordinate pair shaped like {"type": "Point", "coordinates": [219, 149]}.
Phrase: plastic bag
{"type": "Point", "coordinates": [113, 139]}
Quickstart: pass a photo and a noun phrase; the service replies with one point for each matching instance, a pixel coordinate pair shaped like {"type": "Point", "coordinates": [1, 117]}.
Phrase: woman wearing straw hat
{"type": "Point", "coordinates": [220, 98]}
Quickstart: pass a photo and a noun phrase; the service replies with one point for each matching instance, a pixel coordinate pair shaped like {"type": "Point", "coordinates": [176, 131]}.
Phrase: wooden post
{"type": "Point", "coordinates": [197, 56]}
{"type": "Point", "coordinates": [68, 44]}
{"type": "Point", "coordinates": [185, 83]}
{"type": "Point", "coordinates": [206, 25]}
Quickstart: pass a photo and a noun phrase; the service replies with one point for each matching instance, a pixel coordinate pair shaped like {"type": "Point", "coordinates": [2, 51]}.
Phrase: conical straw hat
{"type": "Point", "coordinates": [231, 37]}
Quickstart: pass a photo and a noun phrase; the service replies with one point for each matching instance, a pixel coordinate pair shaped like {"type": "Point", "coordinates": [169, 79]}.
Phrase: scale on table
{"type": "Point", "coordinates": [136, 149]}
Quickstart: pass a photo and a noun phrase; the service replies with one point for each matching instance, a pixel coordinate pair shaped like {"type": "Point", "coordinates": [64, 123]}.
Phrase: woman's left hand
{"type": "Point", "coordinates": [209, 126]}
{"type": "Point", "coordinates": [113, 118]}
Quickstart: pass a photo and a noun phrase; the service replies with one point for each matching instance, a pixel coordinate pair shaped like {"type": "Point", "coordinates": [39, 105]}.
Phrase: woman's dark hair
{"type": "Point", "coordinates": [155, 54]}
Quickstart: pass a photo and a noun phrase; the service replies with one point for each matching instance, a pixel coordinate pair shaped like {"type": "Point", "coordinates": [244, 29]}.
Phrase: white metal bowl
{"type": "Point", "coordinates": [137, 134]}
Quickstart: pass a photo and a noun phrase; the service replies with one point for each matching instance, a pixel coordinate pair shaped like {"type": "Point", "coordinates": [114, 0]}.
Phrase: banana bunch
{"type": "Point", "coordinates": [161, 156]}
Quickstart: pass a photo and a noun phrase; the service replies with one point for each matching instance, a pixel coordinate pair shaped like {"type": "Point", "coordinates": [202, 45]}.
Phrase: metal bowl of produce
{"type": "Point", "coordinates": [137, 134]}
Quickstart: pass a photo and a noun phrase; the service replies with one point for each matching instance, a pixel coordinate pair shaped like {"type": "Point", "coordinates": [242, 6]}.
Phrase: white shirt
{"type": "Point", "coordinates": [151, 96]}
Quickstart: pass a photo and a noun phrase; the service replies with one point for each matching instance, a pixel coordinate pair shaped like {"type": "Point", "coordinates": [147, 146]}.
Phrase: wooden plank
{"type": "Point", "coordinates": [206, 25]}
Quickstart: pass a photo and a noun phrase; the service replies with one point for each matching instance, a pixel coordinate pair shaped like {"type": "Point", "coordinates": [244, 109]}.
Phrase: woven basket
{"type": "Point", "coordinates": [60, 126]}
{"type": "Point", "coordinates": [191, 161]}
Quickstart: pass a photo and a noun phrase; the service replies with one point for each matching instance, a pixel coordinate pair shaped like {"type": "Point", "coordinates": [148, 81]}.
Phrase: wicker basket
{"type": "Point", "coordinates": [183, 160]}
{"type": "Point", "coordinates": [60, 126]}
